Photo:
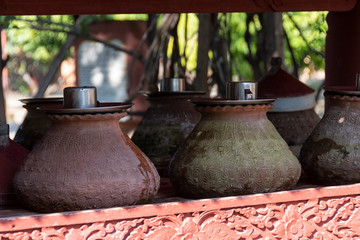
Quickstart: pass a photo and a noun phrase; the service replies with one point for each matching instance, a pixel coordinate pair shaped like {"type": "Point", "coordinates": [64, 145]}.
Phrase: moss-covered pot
{"type": "Point", "coordinates": [294, 127]}
{"type": "Point", "coordinates": [165, 126]}
{"type": "Point", "coordinates": [233, 150]}
{"type": "Point", "coordinates": [331, 154]}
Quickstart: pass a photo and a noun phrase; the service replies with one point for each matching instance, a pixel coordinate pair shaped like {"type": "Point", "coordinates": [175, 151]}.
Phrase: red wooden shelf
{"type": "Point", "coordinates": [305, 213]}
{"type": "Point", "coordinates": [48, 7]}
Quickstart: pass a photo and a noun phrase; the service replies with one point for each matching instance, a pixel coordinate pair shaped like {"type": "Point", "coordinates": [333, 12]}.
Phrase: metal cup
{"type": "Point", "coordinates": [241, 90]}
{"type": "Point", "coordinates": [172, 85]}
{"type": "Point", "coordinates": [80, 97]}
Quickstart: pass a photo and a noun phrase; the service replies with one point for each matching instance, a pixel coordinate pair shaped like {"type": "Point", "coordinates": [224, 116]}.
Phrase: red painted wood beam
{"type": "Point", "coordinates": [342, 48]}
{"type": "Point", "coordinates": [48, 7]}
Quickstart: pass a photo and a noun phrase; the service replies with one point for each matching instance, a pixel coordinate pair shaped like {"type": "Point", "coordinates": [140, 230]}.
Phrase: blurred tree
{"type": "Point", "coordinates": [305, 36]}
{"type": "Point", "coordinates": [31, 50]}
{"type": "Point", "coordinates": [34, 41]}
{"type": "Point", "coordinates": [240, 44]}
{"type": "Point", "coordinates": [304, 42]}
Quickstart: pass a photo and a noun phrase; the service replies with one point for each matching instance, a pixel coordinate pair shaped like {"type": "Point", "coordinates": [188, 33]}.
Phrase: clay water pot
{"type": "Point", "coordinates": [36, 123]}
{"type": "Point", "coordinates": [294, 127]}
{"type": "Point", "coordinates": [293, 114]}
{"type": "Point", "coordinates": [165, 125]}
{"type": "Point", "coordinates": [331, 154]}
{"type": "Point", "coordinates": [85, 161]}
{"type": "Point", "coordinates": [233, 150]}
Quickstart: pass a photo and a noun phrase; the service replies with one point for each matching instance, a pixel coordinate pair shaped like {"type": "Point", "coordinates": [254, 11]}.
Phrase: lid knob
{"type": "Point", "coordinates": [80, 97]}
{"type": "Point", "coordinates": [172, 85]}
{"type": "Point", "coordinates": [276, 62]}
{"type": "Point", "coordinates": [241, 90]}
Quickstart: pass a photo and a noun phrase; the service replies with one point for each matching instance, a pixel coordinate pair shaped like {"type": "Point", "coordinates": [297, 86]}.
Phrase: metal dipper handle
{"type": "Point", "coordinates": [80, 97]}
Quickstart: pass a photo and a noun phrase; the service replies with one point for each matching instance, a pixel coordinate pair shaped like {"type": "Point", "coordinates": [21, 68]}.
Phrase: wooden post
{"type": "Point", "coordinates": [342, 50]}
{"type": "Point", "coordinates": [4, 128]}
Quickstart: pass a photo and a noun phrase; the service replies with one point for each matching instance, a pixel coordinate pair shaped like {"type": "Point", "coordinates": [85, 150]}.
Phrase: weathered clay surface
{"type": "Point", "coordinates": [164, 127]}
{"type": "Point", "coordinates": [233, 150]}
{"type": "Point", "coordinates": [83, 162]}
{"type": "Point", "coordinates": [331, 155]}
{"type": "Point", "coordinates": [294, 127]}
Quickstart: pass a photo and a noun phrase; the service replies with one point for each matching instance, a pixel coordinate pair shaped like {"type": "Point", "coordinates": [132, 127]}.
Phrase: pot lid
{"type": "Point", "coordinates": [101, 108]}
{"type": "Point", "coordinates": [292, 104]}
{"type": "Point", "coordinates": [172, 87]}
{"type": "Point", "coordinates": [237, 93]}
{"type": "Point", "coordinates": [42, 100]}
{"type": "Point", "coordinates": [277, 83]}
{"type": "Point", "coordinates": [83, 100]}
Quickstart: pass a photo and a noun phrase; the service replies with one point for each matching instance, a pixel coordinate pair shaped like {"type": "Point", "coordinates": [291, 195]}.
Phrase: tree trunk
{"type": "Point", "coordinates": [270, 43]}
{"type": "Point", "coordinates": [200, 83]}
{"type": "Point", "coordinates": [274, 37]}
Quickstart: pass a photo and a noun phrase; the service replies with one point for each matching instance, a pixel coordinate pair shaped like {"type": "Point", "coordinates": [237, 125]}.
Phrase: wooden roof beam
{"type": "Point", "coordinates": [49, 7]}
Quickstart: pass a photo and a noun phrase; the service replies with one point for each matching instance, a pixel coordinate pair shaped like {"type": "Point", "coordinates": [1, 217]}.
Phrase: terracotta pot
{"type": "Point", "coordinates": [165, 126]}
{"type": "Point", "coordinates": [85, 161]}
{"type": "Point", "coordinates": [36, 123]}
{"type": "Point", "coordinates": [331, 154]}
{"type": "Point", "coordinates": [233, 150]}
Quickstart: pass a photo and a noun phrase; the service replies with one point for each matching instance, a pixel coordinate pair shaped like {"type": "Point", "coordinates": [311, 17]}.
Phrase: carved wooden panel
{"type": "Point", "coordinates": [324, 218]}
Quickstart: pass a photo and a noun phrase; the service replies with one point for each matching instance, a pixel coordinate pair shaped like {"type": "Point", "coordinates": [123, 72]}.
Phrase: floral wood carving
{"type": "Point", "coordinates": [313, 219]}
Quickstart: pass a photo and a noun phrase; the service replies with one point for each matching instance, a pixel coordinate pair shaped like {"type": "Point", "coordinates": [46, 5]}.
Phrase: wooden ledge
{"type": "Point", "coordinates": [15, 220]}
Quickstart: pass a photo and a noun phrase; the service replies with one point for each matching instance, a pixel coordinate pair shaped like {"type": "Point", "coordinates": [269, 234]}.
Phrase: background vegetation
{"type": "Point", "coordinates": [34, 41]}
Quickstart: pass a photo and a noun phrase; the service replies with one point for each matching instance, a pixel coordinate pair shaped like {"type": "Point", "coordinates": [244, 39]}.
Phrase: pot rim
{"type": "Point", "coordinates": [342, 92]}
{"type": "Point", "coordinates": [161, 94]}
{"type": "Point", "coordinates": [226, 102]}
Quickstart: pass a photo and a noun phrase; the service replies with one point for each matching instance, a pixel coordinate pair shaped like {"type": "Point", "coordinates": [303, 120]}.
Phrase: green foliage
{"type": "Point", "coordinates": [308, 44]}
{"type": "Point", "coordinates": [118, 17]}
{"type": "Point", "coordinates": [41, 46]}
{"type": "Point", "coordinates": [189, 23]}
{"type": "Point", "coordinates": [33, 42]}
{"type": "Point", "coordinates": [306, 32]}
{"type": "Point", "coordinates": [5, 21]}
{"type": "Point", "coordinates": [308, 47]}
{"type": "Point", "coordinates": [33, 35]}
{"type": "Point", "coordinates": [239, 47]}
